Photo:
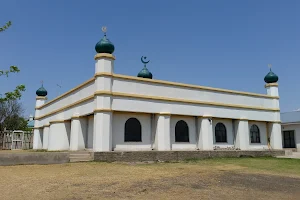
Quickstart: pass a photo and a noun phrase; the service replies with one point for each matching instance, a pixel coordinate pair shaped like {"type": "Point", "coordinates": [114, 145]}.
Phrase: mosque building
{"type": "Point", "coordinates": [114, 112]}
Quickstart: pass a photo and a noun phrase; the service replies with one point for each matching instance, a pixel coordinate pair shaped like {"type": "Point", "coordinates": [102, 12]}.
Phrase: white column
{"type": "Point", "coordinates": [205, 131]}
{"type": "Point", "coordinates": [78, 133]}
{"type": "Point", "coordinates": [37, 138]}
{"type": "Point", "coordinates": [46, 136]}
{"type": "Point", "coordinates": [102, 131]}
{"type": "Point", "coordinates": [272, 90]}
{"type": "Point", "coordinates": [59, 135]}
{"type": "Point", "coordinates": [38, 129]}
{"type": "Point", "coordinates": [90, 132]}
{"type": "Point", "coordinates": [275, 135]}
{"type": "Point", "coordinates": [103, 115]}
{"type": "Point", "coordinates": [162, 138]}
{"type": "Point", "coordinates": [242, 134]}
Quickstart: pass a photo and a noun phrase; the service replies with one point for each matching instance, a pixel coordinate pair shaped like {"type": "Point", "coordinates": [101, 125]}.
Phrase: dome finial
{"type": "Point", "coordinates": [145, 73]}
{"type": "Point", "coordinates": [271, 77]}
{"type": "Point", "coordinates": [104, 29]}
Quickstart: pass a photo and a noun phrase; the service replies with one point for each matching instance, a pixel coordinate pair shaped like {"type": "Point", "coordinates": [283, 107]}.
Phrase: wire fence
{"type": "Point", "coordinates": [16, 140]}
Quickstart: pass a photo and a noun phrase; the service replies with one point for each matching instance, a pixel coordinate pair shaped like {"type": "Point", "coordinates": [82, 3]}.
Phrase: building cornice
{"type": "Point", "coordinates": [40, 98]}
{"type": "Point", "coordinates": [104, 55]}
{"type": "Point", "coordinates": [271, 85]}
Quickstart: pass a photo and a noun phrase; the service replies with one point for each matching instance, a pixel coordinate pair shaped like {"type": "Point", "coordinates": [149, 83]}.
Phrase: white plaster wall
{"type": "Point", "coordinates": [156, 89]}
{"type": "Point", "coordinates": [154, 106]}
{"type": "Point", "coordinates": [263, 136]}
{"type": "Point", "coordinates": [73, 97]}
{"type": "Point", "coordinates": [296, 129]}
{"type": "Point", "coordinates": [83, 109]}
{"type": "Point", "coordinates": [229, 131]}
{"type": "Point", "coordinates": [192, 144]}
{"type": "Point", "coordinates": [118, 129]}
{"type": "Point", "coordinates": [59, 136]}
{"type": "Point", "coordinates": [90, 132]}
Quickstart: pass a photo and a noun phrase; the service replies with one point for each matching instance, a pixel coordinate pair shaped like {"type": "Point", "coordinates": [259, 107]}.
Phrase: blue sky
{"type": "Point", "coordinates": [224, 44]}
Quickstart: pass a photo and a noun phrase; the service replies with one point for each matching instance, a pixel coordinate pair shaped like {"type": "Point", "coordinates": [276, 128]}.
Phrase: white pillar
{"type": "Point", "coordinates": [46, 136]}
{"type": "Point", "coordinates": [242, 134]}
{"type": "Point", "coordinates": [38, 128]}
{"type": "Point", "coordinates": [275, 135]}
{"type": "Point", "coordinates": [90, 132]}
{"type": "Point", "coordinates": [104, 68]}
{"type": "Point", "coordinates": [59, 135]}
{"type": "Point", "coordinates": [78, 133]}
{"type": "Point", "coordinates": [162, 138]}
{"type": "Point", "coordinates": [272, 90]}
{"type": "Point", "coordinates": [102, 131]}
{"type": "Point", "coordinates": [205, 131]}
{"type": "Point", "coordinates": [37, 138]}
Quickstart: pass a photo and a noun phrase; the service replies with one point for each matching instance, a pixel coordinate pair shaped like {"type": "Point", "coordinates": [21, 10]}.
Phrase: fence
{"type": "Point", "coordinates": [8, 140]}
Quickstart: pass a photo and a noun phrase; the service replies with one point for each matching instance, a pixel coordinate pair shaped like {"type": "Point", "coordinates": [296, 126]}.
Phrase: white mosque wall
{"type": "Point", "coordinates": [178, 108]}
{"type": "Point", "coordinates": [118, 132]}
{"type": "Point", "coordinates": [186, 93]}
{"type": "Point", "coordinates": [73, 97]}
{"type": "Point", "coordinates": [296, 129]}
{"type": "Point", "coordinates": [229, 132]}
{"type": "Point", "coordinates": [191, 122]}
{"type": "Point", "coordinates": [263, 136]}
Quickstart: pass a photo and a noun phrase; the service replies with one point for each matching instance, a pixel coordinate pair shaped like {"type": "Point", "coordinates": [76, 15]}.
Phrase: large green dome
{"type": "Point", "coordinates": [104, 46]}
{"type": "Point", "coordinates": [41, 92]}
{"type": "Point", "coordinates": [144, 73]}
{"type": "Point", "coordinates": [271, 77]}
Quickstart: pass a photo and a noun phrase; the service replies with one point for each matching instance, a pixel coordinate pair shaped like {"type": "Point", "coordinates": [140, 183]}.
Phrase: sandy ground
{"type": "Point", "coordinates": [144, 181]}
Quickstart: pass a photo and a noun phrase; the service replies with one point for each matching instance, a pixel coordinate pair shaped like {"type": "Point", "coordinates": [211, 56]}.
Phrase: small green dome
{"type": "Point", "coordinates": [271, 77]}
{"type": "Point", "coordinates": [104, 46]}
{"type": "Point", "coordinates": [41, 92]}
{"type": "Point", "coordinates": [144, 73]}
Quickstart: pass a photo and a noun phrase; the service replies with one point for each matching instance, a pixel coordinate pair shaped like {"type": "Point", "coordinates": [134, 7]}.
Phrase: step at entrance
{"type": "Point", "coordinates": [81, 156]}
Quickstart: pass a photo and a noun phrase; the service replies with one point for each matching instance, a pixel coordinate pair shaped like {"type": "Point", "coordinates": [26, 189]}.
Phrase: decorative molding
{"type": "Point", "coordinates": [103, 110]}
{"type": "Point", "coordinates": [57, 121]}
{"type": "Point", "coordinates": [164, 113]}
{"type": "Point", "coordinates": [271, 85]}
{"type": "Point", "coordinates": [75, 117]}
{"type": "Point", "coordinates": [103, 74]}
{"type": "Point", "coordinates": [206, 116]}
{"type": "Point", "coordinates": [103, 92]}
{"type": "Point", "coordinates": [40, 98]}
{"type": "Point", "coordinates": [104, 55]}
{"type": "Point", "coordinates": [46, 125]}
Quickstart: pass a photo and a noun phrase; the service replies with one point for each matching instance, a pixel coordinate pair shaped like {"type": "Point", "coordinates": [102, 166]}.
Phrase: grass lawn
{"type": "Point", "coordinates": [243, 178]}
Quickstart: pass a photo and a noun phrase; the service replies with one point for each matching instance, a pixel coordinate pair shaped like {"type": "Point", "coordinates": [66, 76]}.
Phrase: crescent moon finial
{"type": "Point", "coordinates": [270, 66]}
{"type": "Point", "coordinates": [143, 60]}
{"type": "Point", "coordinates": [104, 29]}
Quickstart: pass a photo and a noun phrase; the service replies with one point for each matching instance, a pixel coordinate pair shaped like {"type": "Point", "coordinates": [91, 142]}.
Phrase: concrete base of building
{"type": "Point", "coordinates": [174, 156]}
{"type": "Point", "coordinates": [30, 158]}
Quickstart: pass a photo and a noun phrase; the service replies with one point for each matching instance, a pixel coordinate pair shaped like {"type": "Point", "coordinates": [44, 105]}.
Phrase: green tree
{"type": "Point", "coordinates": [17, 92]}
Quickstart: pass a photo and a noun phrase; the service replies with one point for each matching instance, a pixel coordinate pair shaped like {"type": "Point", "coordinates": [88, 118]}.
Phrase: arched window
{"type": "Point", "coordinates": [133, 130]}
{"type": "Point", "coordinates": [181, 132]}
{"type": "Point", "coordinates": [220, 133]}
{"type": "Point", "coordinates": [254, 134]}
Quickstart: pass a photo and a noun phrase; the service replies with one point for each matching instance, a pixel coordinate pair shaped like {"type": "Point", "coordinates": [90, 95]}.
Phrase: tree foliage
{"type": "Point", "coordinates": [11, 115]}
{"type": "Point", "coordinates": [17, 92]}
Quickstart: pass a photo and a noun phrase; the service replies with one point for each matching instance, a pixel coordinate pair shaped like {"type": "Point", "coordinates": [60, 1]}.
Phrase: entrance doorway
{"type": "Point", "coordinates": [289, 139]}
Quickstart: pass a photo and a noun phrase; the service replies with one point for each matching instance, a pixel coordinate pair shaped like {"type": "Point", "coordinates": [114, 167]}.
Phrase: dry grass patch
{"type": "Point", "coordinates": [206, 179]}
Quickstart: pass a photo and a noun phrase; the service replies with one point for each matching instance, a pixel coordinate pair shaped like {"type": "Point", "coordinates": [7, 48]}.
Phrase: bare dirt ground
{"type": "Point", "coordinates": [193, 180]}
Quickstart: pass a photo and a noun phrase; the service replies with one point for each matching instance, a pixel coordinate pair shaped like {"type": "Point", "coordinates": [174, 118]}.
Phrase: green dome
{"type": "Point", "coordinates": [41, 92]}
{"type": "Point", "coordinates": [271, 77]}
{"type": "Point", "coordinates": [105, 46]}
{"type": "Point", "coordinates": [144, 73]}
